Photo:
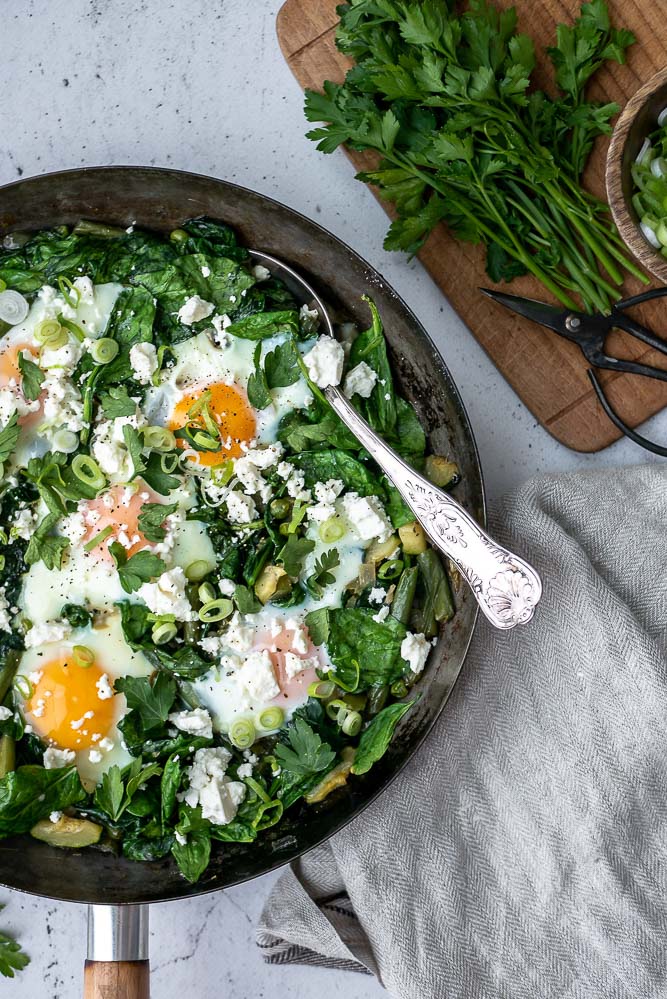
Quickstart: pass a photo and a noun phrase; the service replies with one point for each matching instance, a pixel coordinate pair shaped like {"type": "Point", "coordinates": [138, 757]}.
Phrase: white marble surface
{"type": "Point", "coordinates": [202, 86]}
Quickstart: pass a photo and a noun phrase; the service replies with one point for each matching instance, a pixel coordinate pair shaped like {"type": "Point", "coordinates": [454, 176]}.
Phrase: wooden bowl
{"type": "Point", "coordinates": [637, 120]}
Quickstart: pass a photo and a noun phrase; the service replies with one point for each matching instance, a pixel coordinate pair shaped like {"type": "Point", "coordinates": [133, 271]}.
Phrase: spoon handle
{"type": "Point", "coordinates": [506, 587]}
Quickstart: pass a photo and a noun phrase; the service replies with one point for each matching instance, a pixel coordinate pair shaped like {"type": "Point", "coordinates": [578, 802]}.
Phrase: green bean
{"type": "Point", "coordinates": [7, 755]}
{"type": "Point", "coordinates": [438, 602]}
{"type": "Point", "coordinates": [404, 596]}
{"type": "Point", "coordinates": [8, 671]}
{"type": "Point", "coordinates": [377, 698]}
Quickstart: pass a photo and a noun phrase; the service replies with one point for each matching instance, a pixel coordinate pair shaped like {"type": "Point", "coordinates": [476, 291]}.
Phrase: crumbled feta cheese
{"type": "Point", "coordinates": [55, 817]}
{"type": "Point", "coordinates": [104, 688]}
{"type": "Point", "coordinates": [295, 664]}
{"type": "Point", "coordinates": [95, 756]}
{"type": "Point", "coordinates": [5, 713]}
{"type": "Point", "coordinates": [415, 650]}
{"type": "Point", "coordinates": [265, 457]}
{"type": "Point", "coordinates": [382, 614]}
{"type": "Point", "coordinates": [180, 838]}
{"type": "Point", "coordinates": [196, 722]}
{"type": "Point", "coordinates": [360, 380]}
{"type": "Point", "coordinates": [227, 587]}
{"type": "Point", "coordinates": [55, 759]}
{"type": "Point", "coordinates": [143, 358]}
{"type": "Point", "coordinates": [320, 512]}
{"type": "Point", "coordinates": [325, 362]}
{"type": "Point", "coordinates": [106, 744]}
{"type": "Point", "coordinates": [109, 448]}
{"type": "Point", "coordinates": [327, 492]}
{"type": "Point", "coordinates": [74, 527]}
{"type": "Point", "coordinates": [5, 622]}
{"type": "Point", "coordinates": [296, 486]}
{"type": "Point", "coordinates": [210, 787]}
{"type": "Point", "coordinates": [47, 631]}
{"type": "Point", "coordinates": [366, 516]}
{"type": "Point", "coordinates": [310, 319]}
{"type": "Point", "coordinates": [240, 633]}
{"type": "Point", "coordinates": [63, 406]}
{"type": "Point", "coordinates": [299, 635]}
{"type": "Point", "coordinates": [251, 477]}
{"type": "Point", "coordinates": [258, 678]}
{"type": "Point", "coordinates": [241, 509]}
{"type": "Point", "coordinates": [377, 595]}
{"type": "Point", "coordinates": [66, 357]}
{"type": "Point", "coordinates": [220, 324]}
{"type": "Point", "coordinates": [195, 309]}
{"type": "Point", "coordinates": [261, 273]}
{"type": "Point", "coordinates": [167, 595]}
{"type": "Point", "coordinates": [86, 290]}
{"type": "Point", "coordinates": [285, 469]}
{"type": "Point", "coordinates": [244, 770]}
{"type": "Point", "coordinates": [12, 401]}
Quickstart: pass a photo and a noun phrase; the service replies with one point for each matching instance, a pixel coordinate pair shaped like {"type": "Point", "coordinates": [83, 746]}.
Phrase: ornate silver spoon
{"type": "Point", "coordinates": [506, 587]}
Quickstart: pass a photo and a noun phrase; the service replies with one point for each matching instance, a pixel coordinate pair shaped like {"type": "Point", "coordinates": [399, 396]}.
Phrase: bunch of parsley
{"type": "Point", "coordinates": [445, 99]}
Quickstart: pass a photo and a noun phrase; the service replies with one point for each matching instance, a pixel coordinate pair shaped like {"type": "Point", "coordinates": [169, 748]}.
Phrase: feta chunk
{"type": "Point", "coordinates": [377, 595]}
{"type": "Point", "coordinates": [56, 759]}
{"type": "Point", "coordinates": [143, 358]}
{"type": "Point", "coordinates": [261, 273]}
{"type": "Point", "coordinates": [73, 527]}
{"type": "Point", "coordinates": [295, 664]}
{"type": "Point", "coordinates": [327, 492]}
{"type": "Point", "coordinates": [167, 595]}
{"type": "Point", "coordinates": [196, 722]}
{"type": "Point", "coordinates": [5, 713]}
{"type": "Point", "coordinates": [104, 689]}
{"type": "Point", "coordinates": [366, 516]}
{"type": "Point", "coordinates": [47, 631]}
{"type": "Point", "coordinates": [415, 650]}
{"type": "Point", "coordinates": [220, 324]}
{"type": "Point", "coordinates": [258, 678]}
{"type": "Point", "coordinates": [195, 309]}
{"type": "Point", "coordinates": [325, 362]}
{"type": "Point", "coordinates": [241, 509]}
{"type": "Point", "coordinates": [244, 770]}
{"type": "Point", "coordinates": [210, 787]}
{"type": "Point", "coordinates": [240, 633]}
{"type": "Point", "coordinates": [360, 380]}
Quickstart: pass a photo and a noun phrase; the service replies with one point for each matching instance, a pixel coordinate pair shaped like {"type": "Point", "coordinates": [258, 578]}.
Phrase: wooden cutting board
{"type": "Point", "coordinates": [548, 373]}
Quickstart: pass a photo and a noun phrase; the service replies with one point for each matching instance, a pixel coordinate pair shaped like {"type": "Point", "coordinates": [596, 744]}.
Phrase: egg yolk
{"type": "Point", "coordinates": [9, 363]}
{"type": "Point", "coordinates": [229, 407]}
{"type": "Point", "coordinates": [289, 686]}
{"type": "Point", "coordinates": [118, 509]}
{"type": "Point", "coordinates": [65, 708]}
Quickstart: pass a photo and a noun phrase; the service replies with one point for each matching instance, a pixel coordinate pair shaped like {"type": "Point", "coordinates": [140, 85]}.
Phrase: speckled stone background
{"type": "Point", "coordinates": [202, 86]}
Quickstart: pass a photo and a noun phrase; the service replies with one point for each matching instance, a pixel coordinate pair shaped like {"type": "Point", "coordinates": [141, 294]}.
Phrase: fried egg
{"type": "Point", "coordinates": [72, 706]}
{"type": "Point", "coordinates": [200, 366]}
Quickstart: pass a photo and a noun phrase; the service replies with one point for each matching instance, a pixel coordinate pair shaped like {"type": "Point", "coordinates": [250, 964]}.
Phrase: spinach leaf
{"type": "Point", "coordinates": [281, 365]}
{"type": "Point", "coordinates": [30, 793]}
{"type": "Point", "coordinates": [377, 736]}
{"type": "Point", "coordinates": [319, 466]}
{"type": "Point", "coordinates": [9, 436]}
{"type": "Point", "coordinates": [193, 856]}
{"type": "Point", "coordinates": [151, 701]}
{"type": "Point", "coordinates": [135, 623]}
{"type": "Point", "coordinates": [76, 615]}
{"type": "Point", "coordinates": [169, 785]}
{"type": "Point", "coordinates": [130, 322]}
{"type": "Point", "coordinates": [315, 427]}
{"type": "Point", "coordinates": [151, 519]}
{"type": "Point", "coordinates": [410, 439]}
{"type": "Point", "coordinates": [215, 238]}
{"type": "Point", "coordinates": [155, 476]}
{"type": "Point", "coordinates": [364, 651]}
{"type": "Point", "coordinates": [397, 509]}
{"type": "Point", "coordinates": [185, 661]}
{"type": "Point", "coordinates": [306, 753]}
{"type": "Point", "coordinates": [259, 395]}
{"type": "Point", "coordinates": [33, 376]}
{"type": "Point", "coordinates": [262, 325]}
{"type": "Point", "coordinates": [371, 347]}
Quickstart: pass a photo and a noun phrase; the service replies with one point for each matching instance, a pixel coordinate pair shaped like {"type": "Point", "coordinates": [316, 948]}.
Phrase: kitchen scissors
{"type": "Point", "coordinates": [590, 332]}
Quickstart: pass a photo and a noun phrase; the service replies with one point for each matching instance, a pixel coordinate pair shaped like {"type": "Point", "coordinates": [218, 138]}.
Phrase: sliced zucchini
{"type": "Point", "coordinates": [412, 538]}
{"type": "Point", "coordinates": [67, 832]}
{"type": "Point", "coordinates": [273, 581]}
{"type": "Point", "coordinates": [335, 778]}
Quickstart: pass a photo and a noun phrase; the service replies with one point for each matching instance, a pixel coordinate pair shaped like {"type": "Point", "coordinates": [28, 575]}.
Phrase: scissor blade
{"type": "Point", "coordinates": [539, 312]}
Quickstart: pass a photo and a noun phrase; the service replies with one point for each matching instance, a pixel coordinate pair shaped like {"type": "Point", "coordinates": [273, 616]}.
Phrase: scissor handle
{"type": "Point", "coordinates": [618, 422]}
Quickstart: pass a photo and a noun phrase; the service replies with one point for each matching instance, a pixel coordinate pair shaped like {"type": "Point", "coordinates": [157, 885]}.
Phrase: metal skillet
{"type": "Point", "coordinates": [162, 199]}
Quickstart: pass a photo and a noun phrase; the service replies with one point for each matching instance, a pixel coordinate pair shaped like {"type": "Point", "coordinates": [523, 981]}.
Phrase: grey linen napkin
{"type": "Point", "coordinates": [522, 853]}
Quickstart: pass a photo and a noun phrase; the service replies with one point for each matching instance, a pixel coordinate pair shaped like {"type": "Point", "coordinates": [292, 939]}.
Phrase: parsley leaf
{"type": "Point", "coordinates": [117, 402]}
{"type": "Point", "coordinates": [322, 575]}
{"type": "Point", "coordinates": [151, 519]}
{"type": "Point", "coordinates": [294, 553]}
{"type": "Point", "coordinates": [118, 787]}
{"type": "Point", "coordinates": [155, 476]}
{"type": "Point", "coordinates": [152, 701]}
{"type": "Point", "coordinates": [12, 957]}
{"type": "Point", "coordinates": [245, 600]}
{"type": "Point", "coordinates": [138, 568]}
{"type": "Point", "coordinates": [306, 754]}
{"type": "Point", "coordinates": [134, 445]}
{"type": "Point", "coordinates": [33, 376]}
{"type": "Point", "coordinates": [258, 387]}
{"type": "Point", "coordinates": [45, 546]}
{"type": "Point", "coordinates": [9, 436]}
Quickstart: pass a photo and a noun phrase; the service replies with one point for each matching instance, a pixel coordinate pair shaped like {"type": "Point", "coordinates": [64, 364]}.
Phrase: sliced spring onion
{"type": "Point", "coordinates": [334, 707]}
{"type": "Point", "coordinates": [242, 733]}
{"type": "Point", "coordinates": [645, 147]}
{"type": "Point", "coordinates": [216, 610]}
{"type": "Point", "coordinates": [257, 788]}
{"type": "Point", "coordinates": [50, 333]}
{"type": "Point", "coordinates": [206, 591]}
{"type": "Point", "coordinates": [3, 561]}
{"type": "Point", "coordinates": [659, 166]}
{"type": "Point", "coordinates": [222, 474]}
{"type": "Point", "coordinates": [104, 350]}
{"type": "Point", "coordinates": [662, 117]}
{"type": "Point", "coordinates": [163, 632]}
{"type": "Point", "coordinates": [197, 570]}
{"type": "Point", "coordinates": [332, 530]}
{"type": "Point", "coordinates": [352, 723]}
{"type": "Point", "coordinates": [390, 570]}
{"type": "Point", "coordinates": [75, 330]}
{"type": "Point", "coordinates": [71, 294]}
{"type": "Point", "coordinates": [168, 463]}
{"type": "Point", "coordinates": [98, 539]}
{"type": "Point", "coordinates": [272, 718]}
{"type": "Point", "coordinates": [65, 441]}
{"type": "Point", "coordinates": [158, 438]}
{"type": "Point", "coordinates": [199, 404]}
{"type": "Point", "coordinates": [87, 470]}
{"type": "Point", "coordinates": [649, 234]}
{"type": "Point", "coordinates": [3, 285]}
{"type": "Point", "coordinates": [83, 656]}
{"type": "Point", "coordinates": [661, 233]}
{"type": "Point", "coordinates": [321, 689]}
{"type": "Point", "coordinates": [23, 686]}
{"type": "Point", "coordinates": [13, 307]}
{"type": "Point", "coordinates": [203, 440]}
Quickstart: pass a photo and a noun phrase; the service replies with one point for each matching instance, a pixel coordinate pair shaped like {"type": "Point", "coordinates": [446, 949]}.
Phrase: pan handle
{"type": "Point", "coordinates": [117, 966]}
